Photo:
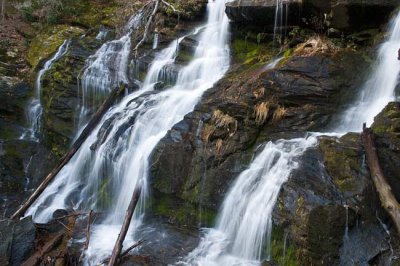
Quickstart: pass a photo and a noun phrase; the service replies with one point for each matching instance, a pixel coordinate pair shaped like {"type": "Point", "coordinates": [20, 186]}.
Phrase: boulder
{"type": "Point", "coordinates": [17, 241]}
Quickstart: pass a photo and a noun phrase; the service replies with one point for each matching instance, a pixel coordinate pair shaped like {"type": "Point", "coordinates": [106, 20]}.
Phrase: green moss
{"type": "Point", "coordinates": [46, 43]}
{"type": "Point", "coordinates": [388, 120]}
{"type": "Point", "coordinates": [104, 199]}
{"type": "Point", "coordinates": [182, 213]}
{"type": "Point", "coordinates": [342, 161]}
{"type": "Point", "coordinates": [250, 52]}
{"type": "Point", "coordinates": [283, 250]}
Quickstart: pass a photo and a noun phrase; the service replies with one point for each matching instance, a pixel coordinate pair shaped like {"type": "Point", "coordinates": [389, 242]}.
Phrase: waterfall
{"type": "Point", "coordinates": [107, 68]}
{"type": "Point", "coordinates": [35, 109]}
{"type": "Point", "coordinates": [245, 217]}
{"type": "Point", "coordinates": [155, 41]}
{"type": "Point", "coordinates": [115, 158]}
{"type": "Point", "coordinates": [380, 88]}
{"type": "Point", "coordinates": [281, 19]}
{"type": "Point", "coordinates": [243, 231]}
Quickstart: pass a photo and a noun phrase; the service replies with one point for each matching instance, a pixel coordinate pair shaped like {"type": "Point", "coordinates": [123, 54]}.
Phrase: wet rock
{"type": "Point", "coordinates": [347, 15]}
{"type": "Point", "coordinates": [212, 145]}
{"type": "Point", "coordinates": [13, 97]}
{"type": "Point", "coordinates": [17, 241]}
{"type": "Point", "coordinates": [259, 12]}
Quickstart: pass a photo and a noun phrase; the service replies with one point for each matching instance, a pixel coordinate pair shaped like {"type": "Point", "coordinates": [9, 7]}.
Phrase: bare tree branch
{"type": "Point", "coordinates": [146, 29]}
{"type": "Point", "coordinates": [171, 6]}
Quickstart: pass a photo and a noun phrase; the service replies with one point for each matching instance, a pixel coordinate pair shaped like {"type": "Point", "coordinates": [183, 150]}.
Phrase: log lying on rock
{"type": "Point", "coordinates": [386, 196]}
{"type": "Point", "coordinates": [75, 147]}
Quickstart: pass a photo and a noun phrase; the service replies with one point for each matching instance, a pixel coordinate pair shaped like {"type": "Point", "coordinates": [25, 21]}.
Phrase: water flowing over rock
{"type": "Point", "coordinates": [142, 118]}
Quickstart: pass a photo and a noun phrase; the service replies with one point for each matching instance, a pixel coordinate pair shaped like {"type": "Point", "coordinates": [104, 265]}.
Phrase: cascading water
{"type": "Point", "coordinates": [281, 18]}
{"type": "Point", "coordinates": [107, 68]}
{"type": "Point", "coordinates": [155, 41]}
{"type": "Point", "coordinates": [380, 88]}
{"type": "Point", "coordinates": [115, 158]}
{"type": "Point", "coordinates": [245, 217]}
{"type": "Point", "coordinates": [35, 109]}
{"type": "Point", "coordinates": [243, 231]}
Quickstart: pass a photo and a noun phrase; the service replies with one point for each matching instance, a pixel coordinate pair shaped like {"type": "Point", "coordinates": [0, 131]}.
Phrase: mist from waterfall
{"type": "Point", "coordinates": [115, 158]}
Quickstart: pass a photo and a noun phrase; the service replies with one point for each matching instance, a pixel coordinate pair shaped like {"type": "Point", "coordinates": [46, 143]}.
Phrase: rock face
{"type": "Point", "coordinates": [17, 241]}
{"type": "Point", "coordinates": [214, 143]}
{"type": "Point", "coordinates": [261, 12]}
{"type": "Point", "coordinates": [343, 15]}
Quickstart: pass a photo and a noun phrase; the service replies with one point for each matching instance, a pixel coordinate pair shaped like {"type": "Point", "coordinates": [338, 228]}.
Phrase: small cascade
{"type": "Point", "coordinates": [379, 89]}
{"type": "Point", "coordinates": [35, 109]}
{"type": "Point", "coordinates": [346, 230]}
{"type": "Point", "coordinates": [155, 41]}
{"type": "Point", "coordinates": [244, 223]}
{"type": "Point", "coordinates": [115, 158]}
{"type": "Point", "coordinates": [106, 69]}
{"type": "Point", "coordinates": [281, 19]}
{"type": "Point", "coordinates": [102, 35]}
{"type": "Point", "coordinates": [272, 64]}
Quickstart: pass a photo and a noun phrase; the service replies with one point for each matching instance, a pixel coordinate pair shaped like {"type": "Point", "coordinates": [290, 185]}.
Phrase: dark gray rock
{"type": "Point", "coordinates": [17, 241]}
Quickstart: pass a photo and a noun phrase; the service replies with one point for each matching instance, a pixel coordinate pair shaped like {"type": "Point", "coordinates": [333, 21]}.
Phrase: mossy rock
{"type": "Point", "coordinates": [47, 43]}
{"type": "Point", "coordinates": [284, 251]}
{"type": "Point", "coordinates": [388, 121]}
{"type": "Point", "coordinates": [181, 213]}
{"type": "Point", "coordinates": [343, 159]}
{"type": "Point", "coordinates": [188, 10]}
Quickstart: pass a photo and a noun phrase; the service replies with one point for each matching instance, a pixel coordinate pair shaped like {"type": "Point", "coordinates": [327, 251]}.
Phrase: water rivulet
{"type": "Point", "coordinates": [35, 109]}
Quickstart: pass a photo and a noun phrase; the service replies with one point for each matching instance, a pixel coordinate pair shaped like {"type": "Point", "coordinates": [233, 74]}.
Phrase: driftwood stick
{"type": "Point", "coordinates": [64, 160]}
{"type": "Point", "coordinates": [146, 29]}
{"type": "Point", "coordinates": [88, 230]}
{"type": "Point", "coordinates": [125, 226]}
{"type": "Point", "coordinates": [35, 258]}
{"type": "Point", "coordinates": [132, 247]}
{"type": "Point", "coordinates": [386, 196]}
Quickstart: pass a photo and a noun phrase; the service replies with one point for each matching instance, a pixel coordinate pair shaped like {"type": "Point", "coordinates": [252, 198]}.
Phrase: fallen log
{"type": "Point", "coordinates": [75, 147]}
{"type": "Point", "coordinates": [386, 196]}
{"type": "Point", "coordinates": [38, 255]}
{"type": "Point", "coordinates": [88, 230]}
{"type": "Point", "coordinates": [125, 226]}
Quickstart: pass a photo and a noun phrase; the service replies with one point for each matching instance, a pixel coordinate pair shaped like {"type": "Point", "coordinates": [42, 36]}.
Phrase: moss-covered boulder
{"type": "Point", "coordinates": [46, 43]}
{"type": "Point", "coordinates": [344, 159]}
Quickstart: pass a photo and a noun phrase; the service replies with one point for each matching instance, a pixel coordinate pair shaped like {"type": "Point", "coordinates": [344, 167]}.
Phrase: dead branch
{"type": "Point", "coordinates": [75, 147]}
{"type": "Point", "coordinates": [88, 230]}
{"type": "Point", "coordinates": [125, 226]}
{"type": "Point", "coordinates": [35, 258]}
{"type": "Point", "coordinates": [132, 247]}
{"type": "Point", "coordinates": [386, 196]}
{"type": "Point", "coordinates": [146, 29]}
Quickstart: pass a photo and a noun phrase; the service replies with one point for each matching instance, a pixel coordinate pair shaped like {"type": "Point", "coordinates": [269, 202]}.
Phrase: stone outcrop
{"type": "Point", "coordinates": [343, 15]}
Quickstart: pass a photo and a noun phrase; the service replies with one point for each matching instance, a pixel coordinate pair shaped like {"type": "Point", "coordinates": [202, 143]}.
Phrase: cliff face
{"type": "Point", "coordinates": [326, 214]}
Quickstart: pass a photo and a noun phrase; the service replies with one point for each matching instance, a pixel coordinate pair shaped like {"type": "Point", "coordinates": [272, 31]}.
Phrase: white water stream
{"type": "Point", "coordinates": [106, 69]}
{"type": "Point", "coordinates": [243, 230]}
{"type": "Point", "coordinates": [115, 157]}
{"type": "Point", "coordinates": [35, 109]}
